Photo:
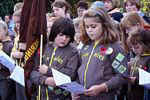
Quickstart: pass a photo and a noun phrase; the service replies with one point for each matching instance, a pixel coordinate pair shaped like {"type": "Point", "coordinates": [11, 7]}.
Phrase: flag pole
{"type": "Point", "coordinates": [41, 53]}
{"type": "Point", "coordinates": [41, 49]}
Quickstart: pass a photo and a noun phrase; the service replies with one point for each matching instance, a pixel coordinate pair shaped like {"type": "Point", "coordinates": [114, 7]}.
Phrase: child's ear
{"type": "Point", "coordinates": [64, 8]}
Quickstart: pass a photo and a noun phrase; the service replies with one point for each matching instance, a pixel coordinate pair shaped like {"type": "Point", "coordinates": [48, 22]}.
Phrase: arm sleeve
{"type": "Point", "coordinates": [37, 78]}
{"type": "Point", "coordinates": [120, 71]}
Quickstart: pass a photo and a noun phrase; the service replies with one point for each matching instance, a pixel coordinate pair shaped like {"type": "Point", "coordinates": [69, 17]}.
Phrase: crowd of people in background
{"type": "Point", "coordinates": [101, 48]}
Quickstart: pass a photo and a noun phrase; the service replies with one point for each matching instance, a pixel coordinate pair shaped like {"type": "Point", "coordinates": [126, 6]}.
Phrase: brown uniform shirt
{"type": "Point", "coordinates": [103, 68]}
{"type": "Point", "coordinates": [66, 60]}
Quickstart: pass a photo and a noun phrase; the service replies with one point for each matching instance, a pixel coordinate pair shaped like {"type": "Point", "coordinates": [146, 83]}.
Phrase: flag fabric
{"type": "Point", "coordinates": [33, 24]}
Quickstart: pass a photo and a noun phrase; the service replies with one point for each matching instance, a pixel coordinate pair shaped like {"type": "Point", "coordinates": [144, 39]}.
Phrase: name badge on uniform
{"type": "Point", "coordinates": [109, 51]}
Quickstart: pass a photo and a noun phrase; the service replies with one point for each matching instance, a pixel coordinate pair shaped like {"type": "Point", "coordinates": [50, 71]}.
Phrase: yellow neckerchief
{"type": "Point", "coordinates": [86, 69]}
{"type": "Point", "coordinates": [52, 57]}
{"type": "Point", "coordinates": [133, 67]}
{"type": "Point", "coordinates": [1, 46]}
{"type": "Point", "coordinates": [50, 63]}
{"type": "Point", "coordinates": [16, 48]}
{"type": "Point", "coordinates": [16, 40]}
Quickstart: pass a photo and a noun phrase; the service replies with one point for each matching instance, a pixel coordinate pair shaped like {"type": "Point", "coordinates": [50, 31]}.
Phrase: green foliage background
{"type": "Point", "coordinates": [6, 7]}
{"type": "Point", "coordinates": [146, 6]}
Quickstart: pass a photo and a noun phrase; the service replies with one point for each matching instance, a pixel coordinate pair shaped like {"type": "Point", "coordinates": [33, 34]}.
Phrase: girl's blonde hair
{"type": "Point", "coordinates": [130, 20]}
{"type": "Point", "coordinates": [141, 36]}
{"type": "Point", "coordinates": [110, 33]}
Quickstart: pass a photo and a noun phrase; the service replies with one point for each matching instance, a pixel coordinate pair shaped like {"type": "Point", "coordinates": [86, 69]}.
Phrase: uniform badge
{"type": "Point", "coordinates": [86, 47]}
{"type": "Point", "coordinates": [115, 64]}
{"type": "Point", "coordinates": [120, 57]}
{"type": "Point", "coordinates": [122, 69]}
{"type": "Point", "coordinates": [109, 51]}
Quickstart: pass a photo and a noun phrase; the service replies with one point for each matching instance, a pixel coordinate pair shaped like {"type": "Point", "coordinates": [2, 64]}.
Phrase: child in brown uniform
{"type": "Point", "coordinates": [140, 43]}
{"type": "Point", "coordinates": [60, 55]}
{"type": "Point", "coordinates": [102, 57]}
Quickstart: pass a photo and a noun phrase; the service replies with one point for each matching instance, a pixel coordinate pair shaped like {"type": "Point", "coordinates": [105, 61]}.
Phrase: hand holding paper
{"type": "Point", "coordinates": [64, 81]}
{"type": "Point", "coordinates": [18, 75]}
{"type": "Point", "coordinates": [7, 61]}
{"type": "Point", "coordinates": [144, 78]}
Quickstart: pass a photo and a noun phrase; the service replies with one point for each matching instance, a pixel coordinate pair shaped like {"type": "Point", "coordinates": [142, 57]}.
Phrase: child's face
{"type": "Point", "coordinates": [130, 29]}
{"type": "Point", "coordinates": [61, 40]}
{"type": "Point", "coordinates": [130, 7]}
{"type": "Point", "coordinates": [108, 5]}
{"type": "Point", "coordinates": [2, 33]}
{"type": "Point", "coordinates": [93, 28]}
{"type": "Point", "coordinates": [50, 22]}
{"type": "Point", "coordinates": [7, 19]}
{"type": "Point", "coordinates": [80, 11]}
{"type": "Point", "coordinates": [59, 12]}
{"type": "Point", "coordinates": [17, 22]}
{"type": "Point", "coordinates": [137, 49]}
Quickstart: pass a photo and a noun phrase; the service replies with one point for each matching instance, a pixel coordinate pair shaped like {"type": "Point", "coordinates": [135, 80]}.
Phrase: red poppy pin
{"type": "Point", "coordinates": [145, 67]}
{"type": "Point", "coordinates": [106, 51]}
{"type": "Point", "coordinates": [103, 50]}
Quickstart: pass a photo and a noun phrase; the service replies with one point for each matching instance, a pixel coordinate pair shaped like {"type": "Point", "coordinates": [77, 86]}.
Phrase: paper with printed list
{"type": "Point", "coordinates": [18, 75]}
{"type": "Point", "coordinates": [7, 61]}
{"type": "Point", "coordinates": [144, 78]}
{"type": "Point", "coordinates": [64, 81]}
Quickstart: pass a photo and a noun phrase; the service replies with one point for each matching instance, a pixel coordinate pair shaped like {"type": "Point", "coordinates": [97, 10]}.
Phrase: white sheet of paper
{"type": "Point", "coordinates": [64, 81]}
{"type": "Point", "coordinates": [18, 75]}
{"type": "Point", "coordinates": [7, 61]}
{"type": "Point", "coordinates": [144, 78]}
{"type": "Point", "coordinates": [60, 78]}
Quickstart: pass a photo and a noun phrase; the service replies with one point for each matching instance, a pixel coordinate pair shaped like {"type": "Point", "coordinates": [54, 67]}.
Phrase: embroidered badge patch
{"type": "Point", "coordinates": [115, 64]}
{"type": "Point", "coordinates": [85, 54]}
{"type": "Point", "coordinates": [86, 47]}
{"type": "Point", "coordinates": [122, 69]}
{"type": "Point", "coordinates": [58, 59]}
{"type": "Point", "coordinates": [120, 57]}
{"type": "Point", "coordinates": [109, 51]}
{"type": "Point", "coordinates": [100, 57]}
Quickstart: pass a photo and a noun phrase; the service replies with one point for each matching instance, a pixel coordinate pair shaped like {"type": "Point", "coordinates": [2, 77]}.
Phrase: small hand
{"type": "Point", "coordinates": [17, 54]}
{"type": "Point", "coordinates": [96, 89]}
{"type": "Point", "coordinates": [50, 81]}
{"type": "Point", "coordinates": [75, 96]}
{"type": "Point", "coordinates": [131, 62]}
{"type": "Point", "coordinates": [132, 79]}
{"type": "Point", "coordinates": [43, 69]}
